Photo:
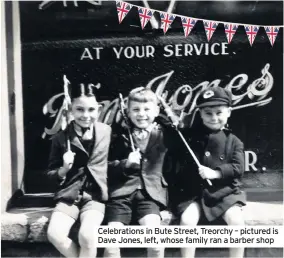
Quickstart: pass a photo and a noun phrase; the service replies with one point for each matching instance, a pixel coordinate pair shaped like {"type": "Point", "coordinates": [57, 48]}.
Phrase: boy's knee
{"type": "Point", "coordinates": [86, 238]}
{"type": "Point", "coordinates": [54, 236]}
{"type": "Point", "coordinates": [191, 215]}
{"type": "Point", "coordinates": [50, 235]}
{"type": "Point", "coordinates": [235, 221]}
{"type": "Point", "coordinates": [150, 219]}
{"type": "Point", "coordinates": [186, 220]}
{"type": "Point", "coordinates": [234, 216]}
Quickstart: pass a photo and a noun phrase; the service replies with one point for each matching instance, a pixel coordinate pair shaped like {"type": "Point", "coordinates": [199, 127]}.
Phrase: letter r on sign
{"type": "Point", "coordinates": [250, 160]}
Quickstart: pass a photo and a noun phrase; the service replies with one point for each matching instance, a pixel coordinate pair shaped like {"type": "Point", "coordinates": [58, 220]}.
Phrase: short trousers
{"type": "Point", "coordinates": [84, 203]}
{"type": "Point", "coordinates": [182, 206]}
{"type": "Point", "coordinates": [132, 207]}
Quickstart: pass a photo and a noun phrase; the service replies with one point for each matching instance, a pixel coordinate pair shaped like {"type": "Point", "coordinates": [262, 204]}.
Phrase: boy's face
{"type": "Point", "coordinates": [216, 117]}
{"type": "Point", "coordinates": [142, 114]}
{"type": "Point", "coordinates": [85, 110]}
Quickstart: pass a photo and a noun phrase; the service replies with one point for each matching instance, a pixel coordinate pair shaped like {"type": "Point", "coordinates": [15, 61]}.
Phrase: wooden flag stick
{"type": "Point", "coordinates": [192, 154]}
{"type": "Point", "coordinates": [173, 120]}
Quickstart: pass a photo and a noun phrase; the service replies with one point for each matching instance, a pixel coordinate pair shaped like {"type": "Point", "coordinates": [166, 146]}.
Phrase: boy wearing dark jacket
{"type": "Point", "coordinates": [221, 154]}
{"type": "Point", "coordinates": [78, 165]}
{"type": "Point", "coordinates": [137, 187]}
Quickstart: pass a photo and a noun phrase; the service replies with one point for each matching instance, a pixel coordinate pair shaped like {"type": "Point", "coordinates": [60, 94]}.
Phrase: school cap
{"type": "Point", "coordinates": [214, 97]}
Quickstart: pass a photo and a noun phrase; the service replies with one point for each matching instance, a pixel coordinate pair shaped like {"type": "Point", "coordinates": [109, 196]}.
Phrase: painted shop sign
{"type": "Point", "coordinates": [256, 87]}
{"type": "Point", "coordinates": [256, 94]}
{"type": "Point", "coordinates": [175, 67]}
{"type": "Point", "coordinates": [148, 51]}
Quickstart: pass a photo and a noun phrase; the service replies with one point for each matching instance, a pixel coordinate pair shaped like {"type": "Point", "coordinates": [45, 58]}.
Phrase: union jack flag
{"type": "Point", "coordinates": [122, 9]}
{"type": "Point", "coordinates": [188, 24]}
{"type": "Point", "coordinates": [210, 27]}
{"type": "Point", "coordinates": [251, 31]}
{"type": "Point", "coordinates": [230, 30]}
{"type": "Point", "coordinates": [145, 15]}
{"type": "Point", "coordinates": [166, 20]}
{"type": "Point", "coordinates": [272, 33]}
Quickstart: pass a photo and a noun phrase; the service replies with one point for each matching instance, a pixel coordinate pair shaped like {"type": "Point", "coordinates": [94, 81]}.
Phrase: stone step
{"type": "Point", "coordinates": [260, 194]}
{"type": "Point", "coordinates": [30, 224]}
{"type": "Point", "coordinates": [23, 232]}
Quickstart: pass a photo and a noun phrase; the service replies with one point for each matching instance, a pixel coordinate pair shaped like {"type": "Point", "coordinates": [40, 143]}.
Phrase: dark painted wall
{"type": "Point", "coordinates": [54, 40]}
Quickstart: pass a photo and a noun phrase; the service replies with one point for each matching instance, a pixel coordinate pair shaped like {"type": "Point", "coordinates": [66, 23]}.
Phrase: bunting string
{"type": "Point", "coordinates": [188, 23]}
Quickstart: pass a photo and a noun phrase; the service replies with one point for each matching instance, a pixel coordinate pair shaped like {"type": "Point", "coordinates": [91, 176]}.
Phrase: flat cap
{"type": "Point", "coordinates": [215, 96]}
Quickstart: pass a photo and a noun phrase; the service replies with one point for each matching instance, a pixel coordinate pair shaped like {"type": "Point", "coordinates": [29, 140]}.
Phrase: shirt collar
{"type": "Point", "coordinates": [148, 129]}
{"type": "Point", "coordinates": [81, 131]}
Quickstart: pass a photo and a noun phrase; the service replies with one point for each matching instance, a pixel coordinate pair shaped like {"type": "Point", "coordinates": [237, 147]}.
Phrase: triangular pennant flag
{"type": "Point", "coordinates": [122, 9]}
{"type": "Point", "coordinates": [188, 24]}
{"type": "Point", "coordinates": [145, 15]}
{"type": "Point", "coordinates": [230, 30]}
{"type": "Point", "coordinates": [166, 20]}
{"type": "Point", "coordinates": [210, 27]}
{"type": "Point", "coordinates": [272, 32]}
{"type": "Point", "coordinates": [251, 31]}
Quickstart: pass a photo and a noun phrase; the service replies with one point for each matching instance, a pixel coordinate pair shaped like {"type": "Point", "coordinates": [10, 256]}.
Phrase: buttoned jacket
{"type": "Point", "coordinates": [221, 151]}
{"type": "Point", "coordinates": [124, 181]}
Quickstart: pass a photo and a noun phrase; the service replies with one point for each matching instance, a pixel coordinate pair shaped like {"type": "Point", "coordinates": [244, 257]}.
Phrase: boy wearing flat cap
{"type": "Point", "coordinates": [222, 157]}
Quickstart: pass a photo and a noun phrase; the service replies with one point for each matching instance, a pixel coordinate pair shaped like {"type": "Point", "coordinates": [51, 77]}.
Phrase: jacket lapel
{"type": "Point", "coordinates": [97, 137]}
{"type": "Point", "coordinates": [74, 140]}
{"type": "Point", "coordinates": [153, 138]}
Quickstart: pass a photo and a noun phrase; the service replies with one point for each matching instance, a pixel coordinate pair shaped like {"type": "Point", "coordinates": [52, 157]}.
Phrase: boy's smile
{"type": "Point", "coordinates": [215, 117]}
{"type": "Point", "coordinates": [85, 110]}
{"type": "Point", "coordinates": [142, 114]}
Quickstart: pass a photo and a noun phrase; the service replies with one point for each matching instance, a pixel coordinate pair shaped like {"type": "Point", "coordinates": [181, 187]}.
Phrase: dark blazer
{"type": "Point", "coordinates": [221, 151]}
{"type": "Point", "coordinates": [89, 171]}
{"type": "Point", "coordinates": [124, 181]}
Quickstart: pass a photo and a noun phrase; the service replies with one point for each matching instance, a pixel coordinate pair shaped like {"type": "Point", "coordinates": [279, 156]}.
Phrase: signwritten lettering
{"type": "Point", "coordinates": [149, 51]}
{"type": "Point", "coordinates": [109, 112]}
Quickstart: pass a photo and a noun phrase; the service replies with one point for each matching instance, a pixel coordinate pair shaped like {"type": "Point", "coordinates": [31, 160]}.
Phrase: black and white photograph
{"type": "Point", "coordinates": [128, 118]}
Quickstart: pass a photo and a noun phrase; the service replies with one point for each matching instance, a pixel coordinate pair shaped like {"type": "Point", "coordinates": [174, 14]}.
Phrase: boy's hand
{"type": "Point", "coordinates": [208, 173]}
{"type": "Point", "coordinates": [134, 159]}
{"type": "Point", "coordinates": [68, 160]}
